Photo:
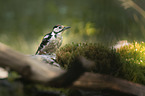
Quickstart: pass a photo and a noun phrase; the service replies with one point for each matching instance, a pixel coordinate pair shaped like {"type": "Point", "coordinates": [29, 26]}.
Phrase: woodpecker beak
{"type": "Point", "coordinates": [66, 28]}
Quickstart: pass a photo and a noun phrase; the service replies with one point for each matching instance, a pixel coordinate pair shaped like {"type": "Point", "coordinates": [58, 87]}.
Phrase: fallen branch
{"type": "Point", "coordinates": [39, 72]}
{"type": "Point", "coordinates": [36, 71]}
{"type": "Point", "coordinates": [97, 81]}
{"type": "Point", "coordinates": [30, 69]}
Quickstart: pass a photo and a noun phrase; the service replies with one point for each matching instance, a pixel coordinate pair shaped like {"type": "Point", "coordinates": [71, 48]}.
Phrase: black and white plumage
{"type": "Point", "coordinates": [51, 41]}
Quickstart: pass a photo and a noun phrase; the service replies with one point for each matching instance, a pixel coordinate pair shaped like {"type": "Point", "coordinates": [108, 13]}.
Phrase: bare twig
{"type": "Point", "coordinates": [130, 3]}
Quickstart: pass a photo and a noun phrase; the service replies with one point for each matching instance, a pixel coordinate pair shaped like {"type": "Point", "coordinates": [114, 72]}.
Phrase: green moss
{"type": "Point", "coordinates": [126, 62]}
{"type": "Point", "coordinates": [133, 56]}
{"type": "Point", "coordinates": [103, 56]}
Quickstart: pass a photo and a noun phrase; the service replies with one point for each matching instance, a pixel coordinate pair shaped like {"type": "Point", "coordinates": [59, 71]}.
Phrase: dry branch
{"type": "Point", "coordinates": [36, 71]}
{"type": "Point", "coordinates": [97, 81]}
{"type": "Point", "coordinates": [30, 69]}
{"type": "Point", "coordinates": [52, 76]}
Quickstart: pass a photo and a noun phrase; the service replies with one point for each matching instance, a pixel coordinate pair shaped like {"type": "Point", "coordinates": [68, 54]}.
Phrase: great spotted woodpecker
{"type": "Point", "coordinates": [51, 41]}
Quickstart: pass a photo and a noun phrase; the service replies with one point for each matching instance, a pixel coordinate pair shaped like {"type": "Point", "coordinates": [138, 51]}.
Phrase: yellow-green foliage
{"type": "Point", "coordinates": [134, 66]}
{"type": "Point", "coordinates": [126, 63]}
{"type": "Point", "coordinates": [134, 53]}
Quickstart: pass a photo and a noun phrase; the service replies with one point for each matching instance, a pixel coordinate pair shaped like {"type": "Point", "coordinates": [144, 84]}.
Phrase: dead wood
{"type": "Point", "coordinates": [39, 72]}
{"type": "Point", "coordinates": [30, 69]}
{"type": "Point", "coordinates": [98, 81]}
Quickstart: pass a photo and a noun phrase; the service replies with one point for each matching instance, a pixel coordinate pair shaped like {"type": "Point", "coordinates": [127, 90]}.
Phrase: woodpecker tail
{"type": "Point", "coordinates": [38, 50]}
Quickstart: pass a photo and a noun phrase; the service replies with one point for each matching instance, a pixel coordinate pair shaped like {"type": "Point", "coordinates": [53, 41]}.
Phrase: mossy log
{"type": "Point", "coordinates": [46, 74]}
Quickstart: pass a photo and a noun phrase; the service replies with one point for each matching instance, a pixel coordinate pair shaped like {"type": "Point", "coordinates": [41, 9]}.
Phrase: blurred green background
{"type": "Point", "coordinates": [23, 23]}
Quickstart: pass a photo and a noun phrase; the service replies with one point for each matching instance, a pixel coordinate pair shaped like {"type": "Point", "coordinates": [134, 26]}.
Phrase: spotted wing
{"type": "Point", "coordinates": [45, 40]}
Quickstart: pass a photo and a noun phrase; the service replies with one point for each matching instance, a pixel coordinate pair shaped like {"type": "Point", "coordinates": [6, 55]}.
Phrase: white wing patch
{"type": "Point", "coordinates": [46, 36]}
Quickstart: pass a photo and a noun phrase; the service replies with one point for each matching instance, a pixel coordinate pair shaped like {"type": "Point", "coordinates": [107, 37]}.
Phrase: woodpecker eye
{"type": "Point", "coordinates": [59, 27]}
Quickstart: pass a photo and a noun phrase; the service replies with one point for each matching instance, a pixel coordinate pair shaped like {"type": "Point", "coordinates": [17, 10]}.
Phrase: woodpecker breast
{"type": "Point", "coordinates": [53, 44]}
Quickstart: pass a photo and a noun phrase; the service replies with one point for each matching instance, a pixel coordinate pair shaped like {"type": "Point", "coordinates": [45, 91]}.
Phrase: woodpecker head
{"type": "Point", "coordinates": [59, 28]}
